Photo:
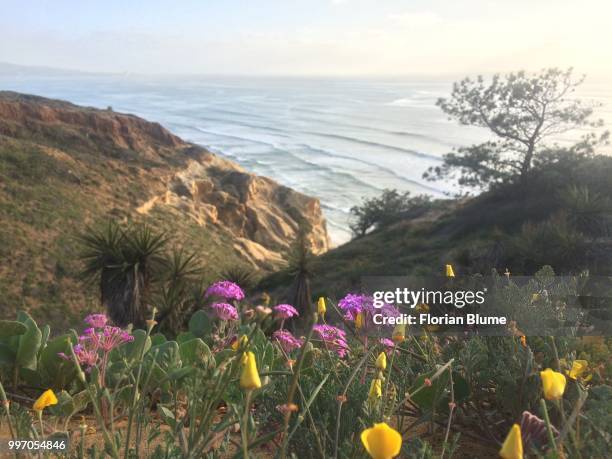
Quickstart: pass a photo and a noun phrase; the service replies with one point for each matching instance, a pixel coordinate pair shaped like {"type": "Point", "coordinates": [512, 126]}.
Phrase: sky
{"type": "Point", "coordinates": [308, 37]}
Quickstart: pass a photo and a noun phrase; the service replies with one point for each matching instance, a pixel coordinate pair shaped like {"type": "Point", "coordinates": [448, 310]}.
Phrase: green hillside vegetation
{"type": "Point", "coordinates": [59, 179]}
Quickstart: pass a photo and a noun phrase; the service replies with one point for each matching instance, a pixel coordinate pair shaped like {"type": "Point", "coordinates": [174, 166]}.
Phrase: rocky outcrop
{"type": "Point", "coordinates": [257, 210]}
{"type": "Point", "coordinates": [159, 170]}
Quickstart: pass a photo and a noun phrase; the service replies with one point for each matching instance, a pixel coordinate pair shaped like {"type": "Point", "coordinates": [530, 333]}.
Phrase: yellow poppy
{"type": "Point", "coordinates": [249, 378]}
{"type": "Point", "coordinates": [513, 444]}
{"type": "Point", "coordinates": [47, 398]}
{"type": "Point", "coordinates": [553, 384]}
{"type": "Point", "coordinates": [381, 361]}
{"type": "Point", "coordinates": [381, 441]}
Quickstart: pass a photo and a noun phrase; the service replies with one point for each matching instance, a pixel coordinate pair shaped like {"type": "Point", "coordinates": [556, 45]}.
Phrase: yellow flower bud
{"type": "Point", "coordinates": [381, 361]}
{"type": "Point", "coordinates": [381, 441]}
{"type": "Point", "coordinates": [359, 320]}
{"type": "Point", "coordinates": [240, 343]}
{"type": "Point", "coordinates": [399, 333]}
{"type": "Point", "coordinates": [553, 384]}
{"type": "Point", "coordinates": [249, 378]}
{"type": "Point", "coordinates": [321, 307]}
{"type": "Point", "coordinates": [450, 272]}
{"type": "Point", "coordinates": [375, 390]}
{"type": "Point", "coordinates": [579, 367]}
{"type": "Point", "coordinates": [47, 398]}
{"type": "Point", "coordinates": [513, 445]}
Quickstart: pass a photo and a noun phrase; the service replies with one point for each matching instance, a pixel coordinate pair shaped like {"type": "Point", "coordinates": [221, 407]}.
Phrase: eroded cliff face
{"type": "Point", "coordinates": [107, 154]}
{"type": "Point", "coordinates": [263, 216]}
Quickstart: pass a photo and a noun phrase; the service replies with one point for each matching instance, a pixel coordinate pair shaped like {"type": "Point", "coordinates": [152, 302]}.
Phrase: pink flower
{"type": "Point", "coordinates": [285, 311]}
{"type": "Point", "coordinates": [225, 311]}
{"type": "Point", "coordinates": [388, 344]}
{"type": "Point", "coordinates": [113, 337]}
{"type": "Point", "coordinates": [86, 357]}
{"type": "Point", "coordinates": [225, 289]}
{"type": "Point", "coordinates": [286, 340]}
{"type": "Point", "coordinates": [333, 337]}
{"type": "Point", "coordinates": [96, 320]}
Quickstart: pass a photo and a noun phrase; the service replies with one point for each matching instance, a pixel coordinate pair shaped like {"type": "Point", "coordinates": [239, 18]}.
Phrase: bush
{"type": "Point", "coordinates": [386, 209]}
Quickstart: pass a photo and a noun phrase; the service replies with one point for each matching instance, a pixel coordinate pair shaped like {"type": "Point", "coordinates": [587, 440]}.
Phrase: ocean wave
{"type": "Point", "coordinates": [361, 127]}
{"type": "Point", "coordinates": [375, 144]}
{"type": "Point", "coordinates": [387, 170]}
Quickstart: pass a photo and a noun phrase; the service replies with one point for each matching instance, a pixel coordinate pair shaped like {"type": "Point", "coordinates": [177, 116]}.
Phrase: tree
{"type": "Point", "coordinates": [385, 209]}
{"type": "Point", "coordinates": [523, 112]}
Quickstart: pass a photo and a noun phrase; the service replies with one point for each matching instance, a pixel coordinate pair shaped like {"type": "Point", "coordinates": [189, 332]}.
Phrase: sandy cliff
{"type": "Point", "coordinates": [262, 215]}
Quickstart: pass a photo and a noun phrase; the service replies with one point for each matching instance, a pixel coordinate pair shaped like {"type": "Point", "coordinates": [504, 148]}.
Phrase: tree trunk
{"type": "Point", "coordinates": [526, 166]}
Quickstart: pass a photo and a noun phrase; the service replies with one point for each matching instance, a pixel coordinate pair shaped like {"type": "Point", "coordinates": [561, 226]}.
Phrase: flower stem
{"type": "Point", "coordinates": [7, 407]}
{"type": "Point", "coordinates": [245, 425]}
{"type": "Point", "coordinates": [293, 386]}
{"type": "Point", "coordinates": [551, 437]}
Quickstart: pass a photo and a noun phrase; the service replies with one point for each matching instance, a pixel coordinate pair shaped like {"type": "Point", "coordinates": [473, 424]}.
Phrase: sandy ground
{"type": "Point", "coordinates": [468, 447]}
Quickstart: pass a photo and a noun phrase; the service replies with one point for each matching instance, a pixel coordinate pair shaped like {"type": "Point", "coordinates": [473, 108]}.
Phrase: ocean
{"type": "Point", "coordinates": [337, 139]}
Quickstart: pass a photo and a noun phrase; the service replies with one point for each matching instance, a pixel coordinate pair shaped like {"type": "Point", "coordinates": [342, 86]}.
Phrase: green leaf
{"type": "Point", "coordinates": [46, 331]}
{"type": "Point", "coordinates": [184, 337]}
{"type": "Point", "coordinates": [195, 352]}
{"type": "Point", "coordinates": [180, 373]}
{"type": "Point", "coordinates": [438, 394]}
{"type": "Point", "coordinates": [10, 328]}
{"type": "Point", "coordinates": [65, 405]}
{"type": "Point", "coordinates": [7, 356]}
{"type": "Point", "coordinates": [157, 339]}
{"type": "Point", "coordinates": [167, 359]}
{"type": "Point", "coordinates": [29, 344]}
{"type": "Point", "coordinates": [133, 349]}
{"type": "Point", "coordinates": [200, 324]}
{"type": "Point", "coordinates": [59, 372]}
{"type": "Point", "coordinates": [168, 416]}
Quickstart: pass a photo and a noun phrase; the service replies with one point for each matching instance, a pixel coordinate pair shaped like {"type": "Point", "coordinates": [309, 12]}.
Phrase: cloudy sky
{"type": "Point", "coordinates": [308, 37]}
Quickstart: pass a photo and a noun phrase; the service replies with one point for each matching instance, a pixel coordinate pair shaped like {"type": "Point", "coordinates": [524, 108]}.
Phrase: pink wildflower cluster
{"type": "Point", "coordinates": [353, 304]}
{"type": "Point", "coordinates": [285, 311]}
{"type": "Point", "coordinates": [225, 289]}
{"type": "Point", "coordinates": [98, 341]}
{"type": "Point", "coordinates": [286, 340]}
{"type": "Point", "coordinates": [333, 337]}
{"type": "Point", "coordinates": [225, 311]}
{"type": "Point", "coordinates": [96, 320]}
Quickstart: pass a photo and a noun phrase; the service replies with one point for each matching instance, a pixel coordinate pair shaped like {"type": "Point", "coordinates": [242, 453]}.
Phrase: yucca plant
{"type": "Point", "coordinates": [135, 271]}
{"type": "Point", "coordinates": [241, 275]}
{"type": "Point", "coordinates": [300, 265]}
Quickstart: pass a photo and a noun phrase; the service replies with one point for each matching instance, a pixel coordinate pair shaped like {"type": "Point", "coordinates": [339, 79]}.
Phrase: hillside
{"type": "Point", "coordinates": [64, 168]}
{"type": "Point", "coordinates": [561, 215]}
